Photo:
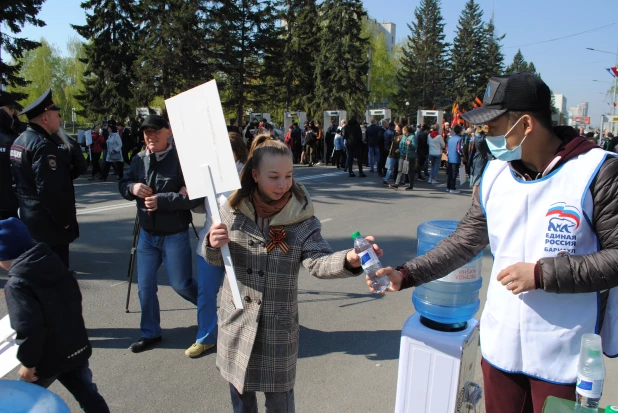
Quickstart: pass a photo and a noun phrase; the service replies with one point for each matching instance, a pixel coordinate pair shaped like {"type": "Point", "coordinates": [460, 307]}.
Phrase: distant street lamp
{"type": "Point", "coordinates": [408, 113]}
{"type": "Point", "coordinates": [73, 118]}
{"type": "Point", "coordinates": [615, 81]}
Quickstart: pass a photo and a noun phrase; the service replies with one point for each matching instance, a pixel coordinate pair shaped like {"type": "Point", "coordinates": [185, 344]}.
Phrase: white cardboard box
{"type": "Point", "coordinates": [434, 367]}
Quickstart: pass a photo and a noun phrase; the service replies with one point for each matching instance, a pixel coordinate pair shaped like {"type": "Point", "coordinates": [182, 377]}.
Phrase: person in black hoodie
{"type": "Point", "coordinates": [353, 136]}
{"type": "Point", "coordinates": [8, 199]}
{"type": "Point", "coordinates": [45, 310]}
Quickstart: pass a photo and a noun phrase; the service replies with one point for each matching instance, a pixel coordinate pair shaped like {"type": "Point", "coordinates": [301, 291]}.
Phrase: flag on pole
{"type": "Point", "coordinates": [612, 71]}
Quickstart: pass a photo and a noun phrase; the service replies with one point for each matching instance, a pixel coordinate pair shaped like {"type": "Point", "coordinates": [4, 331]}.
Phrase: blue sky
{"type": "Point", "coordinates": [566, 66]}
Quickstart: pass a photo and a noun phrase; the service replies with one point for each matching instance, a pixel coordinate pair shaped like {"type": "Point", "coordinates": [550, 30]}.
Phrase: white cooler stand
{"type": "Point", "coordinates": [436, 368]}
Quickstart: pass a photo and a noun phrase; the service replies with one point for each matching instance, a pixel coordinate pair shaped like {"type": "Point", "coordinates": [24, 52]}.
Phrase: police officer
{"type": "Point", "coordinates": [8, 200]}
{"type": "Point", "coordinates": [41, 175]}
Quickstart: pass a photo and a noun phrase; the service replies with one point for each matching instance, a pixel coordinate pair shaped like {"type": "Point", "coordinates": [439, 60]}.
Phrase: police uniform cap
{"type": "Point", "coordinates": [43, 104]}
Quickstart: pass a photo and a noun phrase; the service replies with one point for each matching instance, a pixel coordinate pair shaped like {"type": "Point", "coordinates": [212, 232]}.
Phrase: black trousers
{"type": "Point", "coordinates": [62, 251]}
{"type": "Point", "coordinates": [453, 174]}
{"type": "Point", "coordinates": [382, 161]}
{"type": "Point", "coordinates": [339, 158]}
{"type": "Point", "coordinates": [96, 165]}
{"type": "Point", "coordinates": [355, 152]}
{"type": "Point", "coordinates": [119, 168]}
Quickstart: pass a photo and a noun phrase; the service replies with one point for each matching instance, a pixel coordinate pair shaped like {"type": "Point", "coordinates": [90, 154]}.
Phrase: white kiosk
{"type": "Point", "coordinates": [289, 118]}
{"type": "Point", "coordinates": [438, 115]}
{"type": "Point", "coordinates": [378, 114]}
{"type": "Point", "coordinates": [336, 115]}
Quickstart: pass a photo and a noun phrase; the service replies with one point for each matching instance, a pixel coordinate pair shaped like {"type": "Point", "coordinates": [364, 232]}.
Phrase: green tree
{"type": "Point", "coordinates": [72, 70]}
{"type": "Point", "coordinates": [171, 48]}
{"type": "Point", "coordinates": [108, 76]}
{"type": "Point", "coordinates": [40, 68]}
{"type": "Point", "coordinates": [493, 59]}
{"type": "Point", "coordinates": [422, 77]}
{"type": "Point", "coordinates": [519, 64]}
{"type": "Point", "coordinates": [341, 65]}
{"type": "Point", "coordinates": [383, 66]}
{"type": "Point", "coordinates": [247, 45]}
{"type": "Point", "coordinates": [14, 15]}
{"type": "Point", "coordinates": [468, 56]}
{"type": "Point", "coordinates": [299, 57]}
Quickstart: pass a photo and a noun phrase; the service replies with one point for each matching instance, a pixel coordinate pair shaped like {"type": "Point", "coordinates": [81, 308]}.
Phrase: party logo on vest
{"type": "Point", "coordinates": [562, 221]}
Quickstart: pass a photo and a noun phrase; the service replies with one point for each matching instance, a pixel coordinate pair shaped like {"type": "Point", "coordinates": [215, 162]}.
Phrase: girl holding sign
{"type": "Point", "coordinates": [271, 229]}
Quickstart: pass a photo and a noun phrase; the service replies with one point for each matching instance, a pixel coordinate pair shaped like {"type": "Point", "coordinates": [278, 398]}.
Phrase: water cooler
{"type": "Point", "coordinates": [439, 343]}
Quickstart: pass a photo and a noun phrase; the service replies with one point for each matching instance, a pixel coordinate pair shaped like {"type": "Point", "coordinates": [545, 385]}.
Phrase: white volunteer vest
{"type": "Point", "coordinates": [538, 333]}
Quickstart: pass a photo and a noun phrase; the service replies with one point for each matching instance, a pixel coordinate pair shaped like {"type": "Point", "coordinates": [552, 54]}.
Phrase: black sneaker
{"type": "Point", "coordinates": [420, 179]}
{"type": "Point", "coordinates": [385, 182]}
{"type": "Point", "coordinates": [409, 188]}
{"type": "Point", "coordinates": [144, 344]}
{"type": "Point", "coordinates": [393, 186]}
{"type": "Point", "coordinates": [352, 175]}
{"type": "Point", "coordinates": [362, 175]}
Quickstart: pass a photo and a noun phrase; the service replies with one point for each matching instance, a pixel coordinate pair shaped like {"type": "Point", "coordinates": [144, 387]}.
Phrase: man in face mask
{"type": "Point", "coordinates": [547, 208]}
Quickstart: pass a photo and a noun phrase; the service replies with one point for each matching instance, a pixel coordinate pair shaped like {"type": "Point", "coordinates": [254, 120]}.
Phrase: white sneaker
{"type": "Point", "coordinates": [455, 191]}
{"type": "Point", "coordinates": [448, 190]}
{"type": "Point", "coordinates": [430, 181]}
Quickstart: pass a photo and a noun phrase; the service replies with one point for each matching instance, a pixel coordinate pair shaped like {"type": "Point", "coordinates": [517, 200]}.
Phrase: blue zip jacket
{"type": "Point", "coordinates": [454, 149]}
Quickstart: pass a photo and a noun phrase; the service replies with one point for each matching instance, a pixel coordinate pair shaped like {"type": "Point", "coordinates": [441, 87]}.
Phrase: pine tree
{"type": "Point", "coordinates": [493, 59]}
{"type": "Point", "coordinates": [14, 15]}
{"type": "Point", "coordinates": [108, 81]}
{"type": "Point", "coordinates": [341, 66]}
{"type": "Point", "coordinates": [246, 47]}
{"type": "Point", "coordinates": [301, 49]}
{"type": "Point", "coordinates": [422, 76]}
{"type": "Point", "coordinates": [519, 64]}
{"type": "Point", "coordinates": [468, 56]}
{"type": "Point", "coordinates": [171, 48]}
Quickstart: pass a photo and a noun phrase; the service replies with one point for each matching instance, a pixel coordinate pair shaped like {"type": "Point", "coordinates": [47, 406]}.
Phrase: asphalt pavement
{"type": "Point", "coordinates": [349, 338]}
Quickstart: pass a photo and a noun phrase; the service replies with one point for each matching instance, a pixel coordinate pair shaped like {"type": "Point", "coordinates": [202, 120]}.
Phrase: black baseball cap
{"type": "Point", "coordinates": [519, 92]}
{"type": "Point", "coordinates": [155, 122]}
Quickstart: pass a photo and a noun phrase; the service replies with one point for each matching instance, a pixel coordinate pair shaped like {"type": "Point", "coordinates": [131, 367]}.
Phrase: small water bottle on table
{"type": "Point", "coordinates": [370, 262]}
{"type": "Point", "coordinates": [590, 375]}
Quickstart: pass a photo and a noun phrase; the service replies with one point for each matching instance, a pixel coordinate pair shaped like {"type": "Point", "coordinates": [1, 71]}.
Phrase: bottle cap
{"type": "Point", "coordinates": [356, 235]}
{"type": "Point", "coordinates": [611, 409]}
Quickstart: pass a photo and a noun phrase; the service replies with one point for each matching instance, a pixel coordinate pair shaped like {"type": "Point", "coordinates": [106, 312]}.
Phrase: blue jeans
{"type": "Point", "coordinates": [79, 383]}
{"type": "Point", "coordinates": [282, 402]}
{"type": "Point", "coordinates": [209, 280]}
{"type": "Point", "coordinates": [435, 165]}
{"type": "Point", "coordinates": [174, 251]}
{"type": "Point", "coordinates": [453, 173]}
{"type": "Point", "coordinates": [374, 153]}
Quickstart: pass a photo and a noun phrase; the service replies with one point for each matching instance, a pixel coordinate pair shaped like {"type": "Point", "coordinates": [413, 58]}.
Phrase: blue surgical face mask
{"type": "Point", "coordinates": [497, 146]}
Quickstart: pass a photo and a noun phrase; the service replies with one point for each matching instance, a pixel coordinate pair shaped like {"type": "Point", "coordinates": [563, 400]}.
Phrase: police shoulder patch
{"type": "Point", "coordinates": [52, 162]}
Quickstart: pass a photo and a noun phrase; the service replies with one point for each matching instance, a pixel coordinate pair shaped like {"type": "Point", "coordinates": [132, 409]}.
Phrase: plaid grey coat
{"type": "Point", "coordinates": [257, 347]}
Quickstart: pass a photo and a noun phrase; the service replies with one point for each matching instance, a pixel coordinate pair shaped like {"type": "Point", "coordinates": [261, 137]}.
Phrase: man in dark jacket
{"type": "Point", "coordinates": [43, 184]}
{"type": "Point", "coordinates": [423, 153]}
{"type": "Point", "coordinates": [128, 142]}
{"type": "Point", "coordinates": [297, 135]}
{"type": "Point", "coordinates": [353, 136]}
{"type": "Point", "coordinates": [8, 199]}
{"type": "Point", "coordinates": [154, 181]}
{"type": "Point", "coordinates": [547, 207]}
{"type": "Point", "coordinates": [45, 310]}
{"type": "Point", "coordinates": [330, 141]}
{"type": "Point", "coordinates": [373, 132]}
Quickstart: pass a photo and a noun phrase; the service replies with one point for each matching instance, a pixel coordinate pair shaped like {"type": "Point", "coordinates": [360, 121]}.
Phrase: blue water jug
{"type": "Point", "coordinates": [448, 303]}
{"type": "Point", "coordinates": [23, 397]}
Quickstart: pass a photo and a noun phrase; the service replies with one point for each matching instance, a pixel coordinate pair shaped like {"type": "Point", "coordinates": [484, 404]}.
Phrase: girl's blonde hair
{"type": "Point", "coordinates": [263, 144]}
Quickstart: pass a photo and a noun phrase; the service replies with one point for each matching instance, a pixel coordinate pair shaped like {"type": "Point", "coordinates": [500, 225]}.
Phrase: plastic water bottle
{"type": "Point", "coordinates": [590, 375]}
{"type": "Point", "coordinates": [454, 299]}
{"type": "Point", "coordinates": [370, 262]}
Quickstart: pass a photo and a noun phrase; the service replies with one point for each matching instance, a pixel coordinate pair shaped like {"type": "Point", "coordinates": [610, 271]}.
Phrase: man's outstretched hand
{"type": "Point", "coordinates": [394, 276]}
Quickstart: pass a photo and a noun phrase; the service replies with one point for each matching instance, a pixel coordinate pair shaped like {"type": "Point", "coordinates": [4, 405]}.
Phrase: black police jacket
{"type": "Point", "coordinates": [45, 310]}
{"type": "Point", "coordinates": [44, 188]}
{"type": "Point", "coordinates": [165, 178]}
{"type": "Point", "coordinates": [8, 199]}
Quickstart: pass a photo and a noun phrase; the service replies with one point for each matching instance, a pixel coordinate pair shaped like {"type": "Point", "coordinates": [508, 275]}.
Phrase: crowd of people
{"type": "Point", "coordinates": [271, 230]}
